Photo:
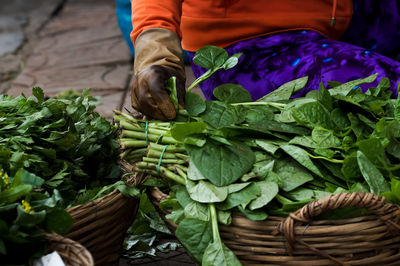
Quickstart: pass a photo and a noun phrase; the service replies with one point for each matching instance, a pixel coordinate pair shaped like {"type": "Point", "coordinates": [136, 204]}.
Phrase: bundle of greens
{"type": "Point", "coordinates": [63, 140]}
{"type": "Point", "coordinates": [268, 157]}
{"type": "Point", "coordinates": [26, 212]}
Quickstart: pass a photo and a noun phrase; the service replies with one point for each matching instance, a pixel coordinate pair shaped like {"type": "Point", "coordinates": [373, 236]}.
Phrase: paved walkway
{"type": "Point", "coordinates": [70, 44]}
{"type": "Point", "coordinates": [66, 44]}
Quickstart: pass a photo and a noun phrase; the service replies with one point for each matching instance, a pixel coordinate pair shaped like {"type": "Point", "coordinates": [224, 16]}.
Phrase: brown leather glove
{"type": "Point", "coordinates": [158, 56]}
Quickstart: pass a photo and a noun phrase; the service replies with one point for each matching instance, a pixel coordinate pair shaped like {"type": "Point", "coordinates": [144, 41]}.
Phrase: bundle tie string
{"type": "Point", "coordinates": [146, 132]}
{"type": "Point", "coordinates": [160, 160]}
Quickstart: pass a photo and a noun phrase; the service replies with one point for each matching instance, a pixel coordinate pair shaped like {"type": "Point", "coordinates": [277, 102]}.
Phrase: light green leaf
{"type": "Point", "coordinates": [285, 91]}
{"type": "Point", "coordinates": [268, 192]}
{"type": "Point", "coordinates": [218, 254]}
{"type": "Point", "coordinates": [206, 192]}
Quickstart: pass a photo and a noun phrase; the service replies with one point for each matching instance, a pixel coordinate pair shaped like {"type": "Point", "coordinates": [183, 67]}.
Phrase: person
{"type": "Point", "coordinates": [281, 40]}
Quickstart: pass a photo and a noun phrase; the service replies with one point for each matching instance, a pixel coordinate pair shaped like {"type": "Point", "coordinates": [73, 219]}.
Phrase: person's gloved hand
{"type": "Point", "coordinates": [158, 56]}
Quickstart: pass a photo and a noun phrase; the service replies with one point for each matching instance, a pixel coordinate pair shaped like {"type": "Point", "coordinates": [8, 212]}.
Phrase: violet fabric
{"type": "Point", "coordinates": [268, 62]}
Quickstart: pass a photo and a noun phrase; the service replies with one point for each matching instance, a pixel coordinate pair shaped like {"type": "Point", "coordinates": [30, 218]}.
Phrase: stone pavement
{"type": "Point", "coordinates": [67, 44]}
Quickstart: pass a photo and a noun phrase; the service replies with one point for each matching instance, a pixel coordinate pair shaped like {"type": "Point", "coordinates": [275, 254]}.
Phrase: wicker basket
{"type": "Point", "coordinates": [72, 253]}
{"type": "Point", "coordinates": [101, 225]}
{"type": "Point", "coordinates": [299, 241]}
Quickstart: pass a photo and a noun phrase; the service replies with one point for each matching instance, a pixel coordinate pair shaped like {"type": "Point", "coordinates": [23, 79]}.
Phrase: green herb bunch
{"type": "Point", "coordinates": [268, 157]}
{"type": "Point", "coordinates": [26, 212]}
{"type": "Point", "coordinates": [63, 140]}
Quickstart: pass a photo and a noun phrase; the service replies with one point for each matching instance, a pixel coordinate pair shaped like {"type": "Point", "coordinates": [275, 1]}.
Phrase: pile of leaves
{"type": "Point", "coordinates": [54, 153]}
{"type": "Point", "coordinates": [268, 157]}
{"type": "Point", "coordinates": [62, 140]}
{"type": "Point", "coordinates": [26, 212]}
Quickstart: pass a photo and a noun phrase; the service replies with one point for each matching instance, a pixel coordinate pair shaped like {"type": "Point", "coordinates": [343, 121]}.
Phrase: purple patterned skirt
{"type": "Point", "coordinates": [367, 47]}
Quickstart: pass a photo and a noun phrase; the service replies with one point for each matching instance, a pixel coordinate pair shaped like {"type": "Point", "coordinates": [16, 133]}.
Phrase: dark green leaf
{"type": "Point", "coordinates": [59, 221]}
{"type": "Point", "coordinates": [219, 115]}
{"type": "Point", "coordinates": [301, 156]}
{"type": "Point", "coordinates": [312, 114]}
{"type": "Point", "coordinates": [232, 93]}
{"type": "Point", "coordinates": [194, 104]}
{"type": "Point", "coordinates": [38, 93]}
{"type": "Point", "coordinates": [289, 174]}
{"type": "Point", "coordinates": [222, 164]}
{"type": "Point", "coordinates": [371, 174]}
{"type": "Point", "coordinates": [195, 235]}
{"type": "Point", "coordinates": [210, 57]}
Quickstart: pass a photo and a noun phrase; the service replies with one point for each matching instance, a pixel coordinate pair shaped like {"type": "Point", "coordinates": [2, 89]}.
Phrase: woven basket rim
{"type": "Point", "coordinates": [298, 229]}
{"type": "Point", "coordinates": [72, 252]}
{"type": "Point", "coordinates": [101, 225]}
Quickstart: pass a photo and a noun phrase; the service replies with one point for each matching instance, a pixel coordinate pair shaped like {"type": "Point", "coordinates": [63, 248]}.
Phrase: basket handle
{"type": "Point", "coordinates": [389, 213]}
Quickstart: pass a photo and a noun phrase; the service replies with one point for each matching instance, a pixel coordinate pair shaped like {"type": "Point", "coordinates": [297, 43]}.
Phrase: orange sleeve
{"type": "Point", "coordinates": [156, 14]}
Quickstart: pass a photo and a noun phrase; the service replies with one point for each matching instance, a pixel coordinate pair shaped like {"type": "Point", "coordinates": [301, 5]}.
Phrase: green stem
{"type": "Point", "coordinates": [157, 154]}
{"type": "Point", "coordinates": [324, 158]}
{"type": "Point", "coordinates": [394, 168]}
{"type": "Point", "coordinates": [202, 78]}
{"type": "Point", "coordinates": [130, 126]}
{"type": "Point", "coordinates": [130, 143]}
{"type": "Point", "coordinates": [277, 105]}
{"type": "Point", "coordinates": [170, 148]}
{"type": "Point", "coordinates": [164, 171]}
{"type": "Point", "coordinates": [139, 135]}
{"type": "Point", "coordinates": [348, 131]}
{"type": "Point", "coordinates": [182, 156]}
{"type": "Point", "coordinates": [214, 222]}
{"type": "Point", "coordinates": [170, 161]}
{"type": "Point", "coordinates": [126, 116]}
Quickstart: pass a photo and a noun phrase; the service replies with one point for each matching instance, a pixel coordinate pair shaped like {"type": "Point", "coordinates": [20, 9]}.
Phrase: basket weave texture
{"type": "Point", "coordinates": [299, 241]}
{"type": "Point", "coordinates": [72, 253]}
{"type": "Point", "coordinates": [101, 225]}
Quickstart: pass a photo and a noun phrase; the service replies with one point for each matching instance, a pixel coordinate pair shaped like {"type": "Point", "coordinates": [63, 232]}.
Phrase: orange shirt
{"type": "Point", "coordinates": [224, 22]}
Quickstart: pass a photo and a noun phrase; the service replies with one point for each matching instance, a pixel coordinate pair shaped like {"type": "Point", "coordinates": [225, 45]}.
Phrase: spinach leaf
{"type": "Point", "coordinates": [255, 215]}
{"type": "Point", "coordinates": [302, 157]}
{"type": "Point", "coordinates": [195, 235]}
{"type": "Point", "coordinates": [219, 115]}
{"type": "Point", "coordinates": [285, 91]}
{"type": "Point", "coordinates": [232, 93]}
{"type": "Point", "coordinates": [371, 174]}
{"type": "Point", "coordinates": [345, 88]}
{"type": "Point", "coordinates": [289, 174]}
{"type": "Point", "coordinates": [205, 192]}
{"type": "Point", "coordinates": [221, 164]}
{"type": "Point", "coordinates": [194, 104]}
{"type": "Point", "coordinates": [268, 192]}
{"type": "Point", "coordinates": [218, 254]}
{"type": "Point", "coordinates": [312, 114]}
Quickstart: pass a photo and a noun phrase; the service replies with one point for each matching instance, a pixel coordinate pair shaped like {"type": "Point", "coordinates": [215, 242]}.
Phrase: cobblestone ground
{"type": "Point", "coordinates": [64, 44]}
{"type": "Point", "coordinates": [70, 44]}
